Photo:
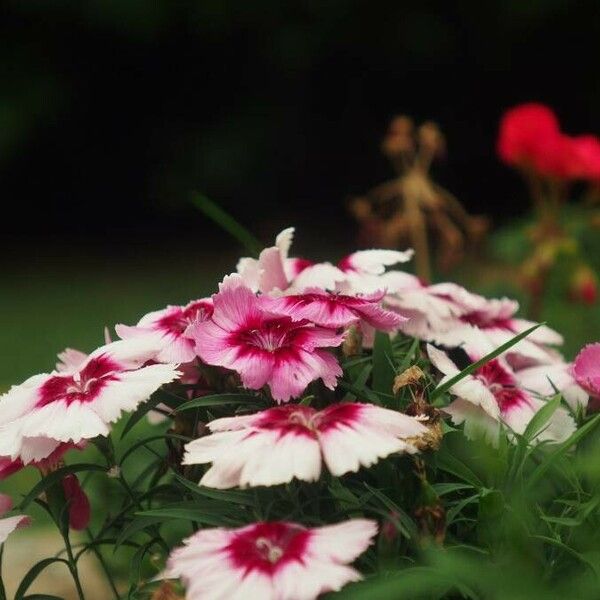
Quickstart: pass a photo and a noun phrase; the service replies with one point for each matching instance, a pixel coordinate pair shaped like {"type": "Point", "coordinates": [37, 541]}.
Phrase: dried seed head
{"type": "Point", "coordinates": [166, 592]}
{"type": "Point", "coordinates": [410, 376]}
{"type": "Point", "coordinates": [352, 344]}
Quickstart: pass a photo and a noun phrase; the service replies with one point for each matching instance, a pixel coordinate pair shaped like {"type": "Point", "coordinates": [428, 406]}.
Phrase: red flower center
{"type": "Point", "coordinates": [267, 547]}
{"type": "Point", "coordinates": [304, 420]}
{"type": "Point", "coordinates": [181, 318]}
{"type": "Point", "coordinates": [270, 336]}
{"type": "Point", "coordinates": [483, 321]}
{"type": "Point", "coordinates": [80, 387]}
{"type": "Point", "coordinates": [502, 385]}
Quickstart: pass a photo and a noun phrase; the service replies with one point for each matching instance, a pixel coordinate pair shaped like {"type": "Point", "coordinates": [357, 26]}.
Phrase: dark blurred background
{"type": "Point", "coordinates": [112, 111]}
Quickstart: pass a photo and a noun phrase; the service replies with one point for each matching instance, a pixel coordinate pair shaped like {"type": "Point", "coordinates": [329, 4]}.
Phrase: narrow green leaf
{"type": "Point", "coordinates": [442, 389]}
{"type": "Point", "coordinates": [441, 489]}
{"type": "Point", "coordinates": [33, 573]}
{"type": "Point", "coordinates": [449, 463]}
{"type": "Point", "coordinates": [198, 515]}
{"type": "Point", "coordinates": [565, 521]}
{"type": "Point", "coordinates": [383, 370]}
{"type": "Point", "coordinates": [148, 440]}
{"type": "Point", "coordinates": [561, 450]}
{"type": "Point", "coordinates": [233, 496]}
{"type": "Point", "coordinates": [214, 212]}
{"type": "Point", "coordinates": [360, 381]}
{"type": "Point", "coordinates": [136, 526]}
{"type": "Point", "coordinates": [409, 528]}
{"type": "Point", "coordinates": [218, 400]}
{"type": "Point", "coordinates": [541, 418]}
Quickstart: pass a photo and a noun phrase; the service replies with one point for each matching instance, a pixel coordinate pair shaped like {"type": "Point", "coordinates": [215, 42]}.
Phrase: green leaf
{"type": "Point", "coordinates": [409, 356]}
{"type": "Point", "coordinates": [190, 511]}
{"type": "Point", "coordinates": [565, 521]}
{"type": "Point", "coordinates": [360, 381]}
{"type": "Point", "coordinates": [140, 412]}
{"type": "Point", "coordinates": [218, 400]}
{"type": "Point", "coordinates": [33, 573]}
{"type": "Point", "coordinates": [55, 477]}
{"type": "Point", "coordinates": [227, 222]}
{"type": "Point", "coordinates": [442, 389]}
{"type": "Point", "coordinates": [383, 369]}
{"type": "Point", "coordinates": [449, 463]}
{"type": "Point", "coordinates": [408, 527]}
{"type": "Point", "coordinates": [42, 597]}
{"type": "Point", "coordinates": [233, 496]}
{"type": "Point", "coordinates": [153, 438]}
{"type": "Point", "coordinates": [441, 489]}
{"type": "Point", "coordinates": [553, 457]}
{"type": "Point", "coordinates": [136, 526]}
{"type": "Point", "coordinates": [541, 418]}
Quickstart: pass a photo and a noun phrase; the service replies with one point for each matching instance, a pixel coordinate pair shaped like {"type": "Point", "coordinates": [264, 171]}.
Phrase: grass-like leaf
{"type": "Point", "coordinates": [34, 572]}
{"type": "Point", "coordinates": [213, 211]}
{"type": "Point", "coordinates": [442, 389]}
{"type": "Point", "coordinates": [218, 400]}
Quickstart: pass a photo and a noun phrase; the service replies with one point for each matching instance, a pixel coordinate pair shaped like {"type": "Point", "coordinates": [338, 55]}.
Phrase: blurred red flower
{"type": "Point", "coordinates": [530, 138]}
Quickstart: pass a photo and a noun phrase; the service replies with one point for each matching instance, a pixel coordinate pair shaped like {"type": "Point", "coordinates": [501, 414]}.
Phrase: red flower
{"type": "Point", "coordinates": [526, 134]}
{"type": "Point", "coordinates": [530, 138]}
{"type": "Point", "coordinates": [79, 505]}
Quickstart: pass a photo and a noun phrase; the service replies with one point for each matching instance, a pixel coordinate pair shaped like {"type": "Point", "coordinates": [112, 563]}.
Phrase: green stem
{"type": "Point", "coordinates": [103, 564]}
{"type": "Point", "coordinates": [59, 510]}
{"type": "Point", "coordinates": [72, 563]}
{"type": "Point", "coordinates": [2, 590]}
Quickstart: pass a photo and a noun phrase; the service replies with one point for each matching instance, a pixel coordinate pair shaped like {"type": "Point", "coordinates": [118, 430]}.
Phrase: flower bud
{"type": "Point", "coordinates": [584, 286]}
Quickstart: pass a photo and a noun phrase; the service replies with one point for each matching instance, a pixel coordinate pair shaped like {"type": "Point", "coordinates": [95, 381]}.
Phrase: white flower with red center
{"type": "Point", "coordinates": [78, 404]}
{"type": "Point", "coordinates": [586, 369]}
{"type": "Point", "coordinates": [495, 322]}
{"type": "Point", "coordinates": [170, 325]}
{"type": "Point", "coordinates": [276, 445]}
{"type": "Point", "coordinates": [337, 310]}
{"type": "Point", "coordinates": [270, 560]}
{"type": "Point", "coordinates": [264, 348]}
{"type": "Point", "coordinates": [9, 524]}
{"type": "Point", "coordinates": [492, 396]}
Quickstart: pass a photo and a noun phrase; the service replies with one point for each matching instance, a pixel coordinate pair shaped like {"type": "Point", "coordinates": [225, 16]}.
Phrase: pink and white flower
{"type": "Point", "coordinates": [450, 315]}
{"type": "Point", "coordinates": [79, 404]}
{"type": "Point", "coordinates": [270, 560]}
{"type": "Point", "coordinates": [170, 324]}
{"type": "Point", "coordinates": [9, 524]}
{"type": "Point", "coordinates": [586, 369]}
{"type": "Point", "coordinates": [276, 272]}
{"type": "Point", "coordinates": [337, 310]}
{"type": "Point", "coordinates": [52, 461]}
{"type": "Point", "coordinates": [264, 348]}
{"type": "Point", "coordinates": [277, 445]}
{"type": "Point", "coordinates": [491, 396]}
{"type": "Point", "coordinates": [274, 269]}
{"type": "Point", "coordinates": [547, 380]}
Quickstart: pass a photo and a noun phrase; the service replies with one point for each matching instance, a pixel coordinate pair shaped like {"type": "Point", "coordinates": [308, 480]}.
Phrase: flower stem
{"type": "Point", "coordinates": [103, 564]}
{"type": "Point", "coordinates": [72, 564]}
{"type": "Point", "coordinates": [58, 508]}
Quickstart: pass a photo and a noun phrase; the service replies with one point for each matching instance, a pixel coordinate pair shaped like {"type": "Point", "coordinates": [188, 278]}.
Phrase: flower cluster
{"type": "Point", "coordinates": [279, 331]}
{"type": "Point", "coordinates": [530, 138]}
